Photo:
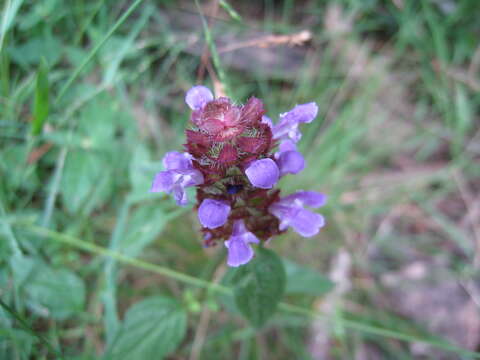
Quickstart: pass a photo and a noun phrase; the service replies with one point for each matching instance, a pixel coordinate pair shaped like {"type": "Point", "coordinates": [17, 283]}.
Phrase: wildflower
{"type": "Point", "coordinates": [179, 174]}
{"type": "Point", "coordinates": [231, 160]}
{"type": "Point", "coordinates": [290, 211]}
{"type": "Point", "coordinates": [287, 127]}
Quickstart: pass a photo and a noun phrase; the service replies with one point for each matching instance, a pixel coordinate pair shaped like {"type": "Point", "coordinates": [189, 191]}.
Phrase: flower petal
{"type": "Point", "coordinates": [263, 173]}
{"type": "Point", "coordinates": [306, 223]}
{"type": "Point", "coordinates": [290, 162]}
{"type": "Point", "coordinates": [239, 252]}
{"type": "Point", "coordinates": [287, 145]}
{"type": "Point", "coordinates": [287, 127]}
{"type": "Point", "coordinates": [213, 213]}
{"type": "Point", "coordinates": [239, 229]}
{"type": "Point", "coordinates": [163, 181]}
{"type": "Point", "coordinates": [198, 96]}
{"type": "Point", "coordinates": [176, 160]}
{"type": "Point", "coordinates": [180, 195]}
{"type": "Point", "coordinates": [303, 113]}
{"type": "Point", "coordinates": [267, 120]}
{"type": "Point", "coordinates": [309, 198]}
{"type": "Point", "coordinates": [189, 177]}
{"type": "Point", "coordinates": [286, 130]}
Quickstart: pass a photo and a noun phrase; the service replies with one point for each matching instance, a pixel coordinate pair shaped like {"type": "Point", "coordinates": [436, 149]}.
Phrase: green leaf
{"type": "Point", "coordinates": [34, 49]}
{"type": "Point", "coordinates": [41, 103]}
{"type": "Point", "coordinates": [86, 182]}
{"type": "Point", "coordinates": [260, 286]}
{"type": "Point", "coordinates": [152, 329]}
{"type": "Point", "coordinates": [143, 226]}
{"type": "Point", "coordinates": [57, 293]}
{"type": "Point", "coordinates": [303, 280]}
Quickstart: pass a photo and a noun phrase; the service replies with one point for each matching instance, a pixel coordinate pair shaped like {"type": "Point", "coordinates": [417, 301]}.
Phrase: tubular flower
{"type": "Point", "coordinates": [231, 160]}
{"type": "Point", "coordinates": [290, 211]}
{"type": "Point", "coordinates": [180, 174]}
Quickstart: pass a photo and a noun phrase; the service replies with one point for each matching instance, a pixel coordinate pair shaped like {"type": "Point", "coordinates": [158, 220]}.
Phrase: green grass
{"type": "Point", "coordinates": [91, 97]}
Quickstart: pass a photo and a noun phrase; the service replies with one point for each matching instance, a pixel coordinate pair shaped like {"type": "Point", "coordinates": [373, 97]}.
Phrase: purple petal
{"type": "Point", "coordinates": [287, 127]}
{"type": "Point", "coordinates": [290, 162]}
{"type": "Point", "coordinates": [213, 213]}
{"type": "Point", "coordinates": [198, 96]}
{"type": "Point", "coordinates": [303, 113]}
{"type": "Point", "coordinates": [189, 177]}
{"type": "Point", "coordinates": [282, 212]}
{"type": "Point", "coordinates": [263, 173]}
{"type": "Point", "coordinates": [309, 198]}
{"type": "Point", "coordinates": [285, 130]}
{"type": "Point", "coordinates": [306, 223]}
{"type": "Point", "coordinates": [180, 195]}
{"type": "Point", "coordinates": [239, 253]}
{"type": "Point", "coordinates": [239, 250]}
{"type": "Point", "coordinates": [163, 181]}
{"type": "Point", "coordinates": [287, 145]}
{"type": "Point", "coordinates": [239, 229]}
{"type": "Point", "coordinates": [175, 160]}
{"type": "Point", "coordinates": [267, 120]}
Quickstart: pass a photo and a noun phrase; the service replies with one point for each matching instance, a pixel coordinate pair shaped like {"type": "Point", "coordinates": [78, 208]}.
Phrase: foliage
{"type": "Point", "coordinates": [91, 97]}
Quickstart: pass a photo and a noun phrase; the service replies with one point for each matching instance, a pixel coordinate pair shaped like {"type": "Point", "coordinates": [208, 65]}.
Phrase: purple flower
{"type": "Point", "coordinates": [290, 211]}
{"type": "Point", "coordinates": [263, 173]}
{"type": "Point", "coordinates": [289, 160]}
{"type": "Point", "coordinates": [179, 174]}
{"type": "Point", "coordinates": [239, 250]}
{"type": "Point", "coordinates": [198, 96]}
{"type": "Point", "coordinates": [287, 127]}
{"type": "Point", "coordinates": [213, 213]}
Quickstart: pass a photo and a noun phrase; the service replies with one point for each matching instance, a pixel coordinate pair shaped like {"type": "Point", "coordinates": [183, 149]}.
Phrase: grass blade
{"type": "Point", "coordinates": [41, 102]}
{"type": "Point", "coordinates": [97, 47]}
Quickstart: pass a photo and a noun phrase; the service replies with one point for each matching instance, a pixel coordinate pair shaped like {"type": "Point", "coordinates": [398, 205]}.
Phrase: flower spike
{"type": "Point", "coordinates": [232, 160]}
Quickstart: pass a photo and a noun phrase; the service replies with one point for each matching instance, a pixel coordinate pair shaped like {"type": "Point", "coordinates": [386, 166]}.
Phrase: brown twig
{"type": "Point", "coordinates": [296, 39]}
{"type": "Point", "coordinates": [38, 152]}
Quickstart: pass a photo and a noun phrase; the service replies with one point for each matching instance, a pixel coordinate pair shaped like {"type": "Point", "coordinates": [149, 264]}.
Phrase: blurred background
{"type": "Point", "coordinates": [92, 96]}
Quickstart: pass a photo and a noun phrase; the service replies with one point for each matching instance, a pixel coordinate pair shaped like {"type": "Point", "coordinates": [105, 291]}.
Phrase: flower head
{"type": "Point", "coordinates": [231, 159]}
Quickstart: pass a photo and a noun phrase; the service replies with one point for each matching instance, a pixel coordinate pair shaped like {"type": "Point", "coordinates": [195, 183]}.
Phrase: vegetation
{"type": "Point", "coordinates": [92, 265]}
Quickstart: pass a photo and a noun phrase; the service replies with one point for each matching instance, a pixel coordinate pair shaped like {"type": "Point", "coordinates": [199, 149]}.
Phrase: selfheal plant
{"type": "Point", "coordinates": [234, 157]}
